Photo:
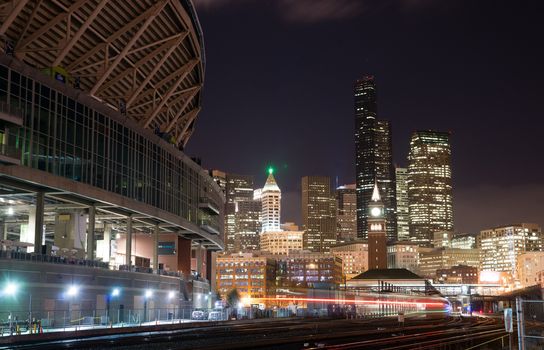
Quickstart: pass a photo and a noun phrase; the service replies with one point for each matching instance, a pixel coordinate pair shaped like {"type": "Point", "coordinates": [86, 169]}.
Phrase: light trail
{"type": "Point", "coordinates": [362, 301]}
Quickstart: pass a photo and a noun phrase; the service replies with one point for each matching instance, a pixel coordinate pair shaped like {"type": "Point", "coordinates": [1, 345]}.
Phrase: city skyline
{"type": "Point", "coordinates": [461, 80]}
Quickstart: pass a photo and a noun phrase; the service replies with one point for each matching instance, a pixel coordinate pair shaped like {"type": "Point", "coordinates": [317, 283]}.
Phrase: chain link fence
{"type": "Point", "coordinates": [25, 322]}
{"type": "Point", "coordinates": [530, 324]}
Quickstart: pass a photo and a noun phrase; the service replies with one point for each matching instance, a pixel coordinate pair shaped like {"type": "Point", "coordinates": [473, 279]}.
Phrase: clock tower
{"type": "Point", "coordinates": [377, 237]}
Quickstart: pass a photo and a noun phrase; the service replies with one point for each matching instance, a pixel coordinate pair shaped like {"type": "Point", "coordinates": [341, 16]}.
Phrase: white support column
{"type": "Point", "coordinates": [156, 248]}
{"type": "Point", "coordinates": [91, 240]}
{"type": "Point", "coordinates": [128, 243]}
{"type": "Point", "coordinates": [38, 228]}
{"type": "Point", "coordinates": [199, 259]}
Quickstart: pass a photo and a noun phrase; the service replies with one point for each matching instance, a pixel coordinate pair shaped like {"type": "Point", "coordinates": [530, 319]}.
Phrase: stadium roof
{"type": "Point", "coordinates": [144, 55]}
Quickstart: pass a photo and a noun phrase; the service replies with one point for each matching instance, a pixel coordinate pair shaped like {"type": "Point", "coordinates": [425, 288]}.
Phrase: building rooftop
{"type": "Point", "coordinates": [388, 274]}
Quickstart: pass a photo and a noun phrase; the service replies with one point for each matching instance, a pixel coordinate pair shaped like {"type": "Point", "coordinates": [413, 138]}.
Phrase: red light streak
{"type": "Point", "coordinates": [362, 301]}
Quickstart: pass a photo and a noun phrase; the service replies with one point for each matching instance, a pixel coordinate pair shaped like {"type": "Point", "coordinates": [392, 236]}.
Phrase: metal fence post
{"type": "Point", "coordinates": [520, 321]}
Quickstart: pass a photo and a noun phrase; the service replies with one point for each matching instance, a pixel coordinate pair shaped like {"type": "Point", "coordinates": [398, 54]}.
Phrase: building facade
{"type": "Point", "coordinates": [318, 213]}
{"type": "Point", "coordinates": [346, 213]}
{"type": "Point", "coordinates": [270, 197]}
{"type": "Point", "coordinates": [445, 258]}
{"type": "Point", "coordinates": [92, 151]}
{"type": "Point", "coordinates": [373, 158]}
{"type": "Point", "coordinates": [429, 185]}
{"type": "Point", "coordinates": [442, 239]}
{"type": "Point", "coordinates": [530, 266]}
{"type": "Point", "coordinates": [281, 242]}
{"type": "Point", "coordinates": [459, 274]}
{"type": "Point", "coordinates": [403, 218]}
{"type": "Point", "coordinates": [309, 270]}
{"type": "Point", "coordinates": [238, 188]}
{"type": "Point", "coordinates": [500, 246]}
{"type": "Point", "coordinates": [403, 255]}
{"type": "Point", "coordinates": [247, 219]}
{"type": "Point", "coordinates": [354, 256]}
{"type": "Point", "coordinates": [463, 241]}
{"type": "Point", "coordinates": [252, 276]}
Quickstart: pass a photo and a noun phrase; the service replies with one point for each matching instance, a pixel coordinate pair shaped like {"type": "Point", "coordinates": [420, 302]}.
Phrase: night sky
{"type": "Point", "coordinates": [279, 90]}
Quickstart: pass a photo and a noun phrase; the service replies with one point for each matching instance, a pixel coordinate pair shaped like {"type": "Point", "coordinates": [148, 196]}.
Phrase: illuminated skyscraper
{"type": "Point", "coordinates": [500, 246]}
{"type": "Point", "coordinates": [346, 213]}
{"type": "Point", "coordinates": [401, 177]}
{"type": "Point", "coordinates": [429, 185]}
{"type": "Point", "coordinates": [318, 213]}
{"type": "Point", "coordinates": [374, 158]}
{"type": "Point", "coordinates": [238, 188]}
{"type": "Point", "coordinates": [248, 225]}
{"type": "Point", "coordinates": [270, 197]}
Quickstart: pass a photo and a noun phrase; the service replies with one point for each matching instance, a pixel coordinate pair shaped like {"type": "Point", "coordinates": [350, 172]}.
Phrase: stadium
{"type": "Point", "coordinates": [100, 208]}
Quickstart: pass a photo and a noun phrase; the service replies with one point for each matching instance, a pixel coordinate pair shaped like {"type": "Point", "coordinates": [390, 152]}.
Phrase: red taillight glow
{"type": "Point", "coordinates": [362, 301]}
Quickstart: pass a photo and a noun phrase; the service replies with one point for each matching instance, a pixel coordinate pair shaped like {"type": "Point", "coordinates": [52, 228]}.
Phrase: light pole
{"type": "Point", "coordinates": [148, 294]}
{"type": "Point", "coordinates": [114, 293]}
{"type": "Point", "coordinates": [10, 290]}
{"type": "Point", "coordinates": [171, 296]}
{"type": "Point", "coordinates": [71, 292]}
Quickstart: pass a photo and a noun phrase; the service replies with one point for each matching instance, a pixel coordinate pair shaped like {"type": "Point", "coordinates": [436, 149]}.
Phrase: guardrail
{"type": "Point", "coordinates": [11, 110]}
{"type": "Point", "coordinates": [51, 259]}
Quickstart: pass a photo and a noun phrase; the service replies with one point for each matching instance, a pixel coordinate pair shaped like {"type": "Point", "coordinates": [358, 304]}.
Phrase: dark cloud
{"type": "Point", "coordinates": [313, 11]}
{"type": "Point", "coordinates": [319, 10]}
{"type": "Point", "coordinates": [290, 207]}
{"type": "Point", "coordinates": [497, 206]}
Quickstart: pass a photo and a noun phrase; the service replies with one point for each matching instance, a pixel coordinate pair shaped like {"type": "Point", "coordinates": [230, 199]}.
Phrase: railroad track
{"type": "Point", "coordinates": [284, 334]}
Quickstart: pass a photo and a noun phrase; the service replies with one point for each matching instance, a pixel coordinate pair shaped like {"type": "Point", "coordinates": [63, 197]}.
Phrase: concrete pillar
{"type": "Point", "coordinates": [38, 228]}
{"type": "Point", "coordinates": [91, 239]}
{"type": "Point", "coordinates": [128, 243]}
{"type": "Point", "coordinates": [4, 235]}
{"type": "Point", "coordinates": [209, 266]}
{"type": "Point", "coordinates": [183, 253]}
{"type": "Point", "coordinates": [156, 248]}
{"type": "Point", "coordinates": [103, 247]}
{"type": "Point", "coordinates": [199, 259]}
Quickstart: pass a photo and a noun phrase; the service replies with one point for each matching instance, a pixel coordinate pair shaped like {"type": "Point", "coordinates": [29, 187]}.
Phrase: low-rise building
{"type": "Point", "coordinates": [443, 258]}
{"type": "Point", "coordinates": [253, 276]}
{"type": "Point", "coordinates": [309, 269]}
{"type": "Point", "coordinates": [463, 241]}
{"type": "Point", "coordinates": [281, 242]}
{"type": "Point", "coordinates": [442, 239]}
{"type": "Point", "coordinates": [354, 257]}
{"type": "Point", "coordinates": [403, 255]}
{"type": "Point", "coordinates": [459, 274]}
{"type": "Point", "coordinates": [530, 267]}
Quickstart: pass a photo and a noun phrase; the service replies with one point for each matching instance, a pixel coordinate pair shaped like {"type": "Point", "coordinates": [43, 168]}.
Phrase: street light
{"type": "Point", "coordinates": [148, 294]}
{"type": "Point", "coordinates": [71, 292]}
{"type": "Point", "coordinates": [171, 295]}
{"type": "Point", "coordinates": [10, 289]}
{"type": "Point", "coordinates": [114, 293]}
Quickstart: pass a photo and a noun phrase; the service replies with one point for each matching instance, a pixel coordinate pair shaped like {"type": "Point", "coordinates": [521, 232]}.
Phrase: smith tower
{"type": "Point", "coordinates": [270, 197]}
{"type": "Point", "coordinates": [373, 159]}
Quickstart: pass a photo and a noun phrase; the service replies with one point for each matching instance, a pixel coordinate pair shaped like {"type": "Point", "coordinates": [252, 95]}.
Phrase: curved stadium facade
{"type": "Point", "coordinates": [97, 101]}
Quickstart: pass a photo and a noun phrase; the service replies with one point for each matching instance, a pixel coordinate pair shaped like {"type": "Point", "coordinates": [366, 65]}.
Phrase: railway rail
{"type": "Point", "coordinates": [292, 334]}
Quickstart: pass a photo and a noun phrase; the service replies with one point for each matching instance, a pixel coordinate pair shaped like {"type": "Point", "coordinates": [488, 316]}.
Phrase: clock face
{"type": "Point", "coordinates": [375, 211]}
